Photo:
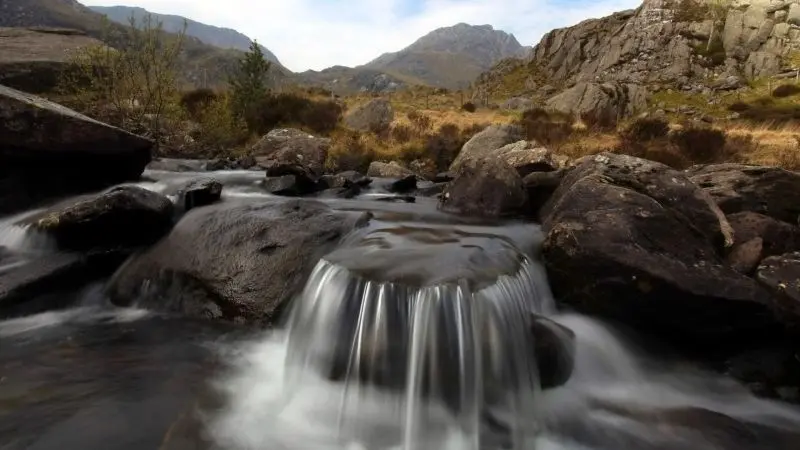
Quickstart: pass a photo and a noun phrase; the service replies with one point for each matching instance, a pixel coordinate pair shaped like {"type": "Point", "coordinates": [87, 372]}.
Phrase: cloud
{"type": "Point", "coordinates": [314, 34]}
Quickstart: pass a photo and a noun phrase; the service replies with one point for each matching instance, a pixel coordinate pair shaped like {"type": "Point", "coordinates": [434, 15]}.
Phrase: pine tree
{"type": "Point", "coordinates": [249, 82]}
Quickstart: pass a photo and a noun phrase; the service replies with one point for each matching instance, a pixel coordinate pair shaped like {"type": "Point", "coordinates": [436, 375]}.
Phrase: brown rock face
{"type": "Point", "coordinates": [48, 151]}
{"type": "Point", "coordinates": [635, 241]}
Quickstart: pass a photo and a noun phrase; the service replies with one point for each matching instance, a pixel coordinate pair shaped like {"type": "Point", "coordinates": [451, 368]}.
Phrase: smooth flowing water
{"type": "Point", "coordinates": [413, 334]}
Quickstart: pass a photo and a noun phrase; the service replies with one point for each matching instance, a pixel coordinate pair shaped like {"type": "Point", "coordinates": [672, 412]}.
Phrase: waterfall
{"type": "Point", "coordinates": [467, 348]}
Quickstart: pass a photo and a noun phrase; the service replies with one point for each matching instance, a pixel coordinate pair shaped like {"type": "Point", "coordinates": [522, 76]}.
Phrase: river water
{"type": "Point", "coordinates": [434, 298]}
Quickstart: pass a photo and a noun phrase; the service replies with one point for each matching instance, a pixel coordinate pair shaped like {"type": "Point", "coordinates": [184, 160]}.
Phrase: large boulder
{"type": "Point", "coordinates": [122, 217]}
{"type": "Point", "coordinates": [605, 102]}
{"type": "Point", "coordinates": [376, 116]}
{"type": "Point", "coordinates": [485, 142]}
{"type": "Point", "coordinates": [770, 191]}
{"type": "Point", "coordinates": [49, 151]}
{"type": "Point", "coordinates": [485, 187]}
{"type": "Point", "coordinates": [636, 241]}
{"type": "Point", "coordinates": [288, 151]}
{"type": "Point", "coordinates": [252, 261]}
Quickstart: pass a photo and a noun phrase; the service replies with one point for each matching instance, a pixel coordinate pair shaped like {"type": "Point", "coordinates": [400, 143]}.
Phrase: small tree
{"type": "Point", "coordinates": [249, 83]}
{"type": "Point", "coordinates": [129, 85]}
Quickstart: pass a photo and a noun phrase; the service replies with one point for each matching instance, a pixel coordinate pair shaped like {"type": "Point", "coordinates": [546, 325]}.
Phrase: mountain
{"type": "Point", "coordinates": [219, 37]}
{"type": "Point", "coordinates": [662, 46]}
{"type": "Point", "coordinates": [450, 57]}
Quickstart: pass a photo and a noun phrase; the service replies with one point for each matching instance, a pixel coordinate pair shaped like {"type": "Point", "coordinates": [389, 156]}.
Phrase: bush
{"type": "Point", "coordinates": [701, 145]}
{"type": "Point", "coordinates": [469, 107]}
{"type": "Point", "coordinates": [401, 133]}
{"type": "Point", "coordinates": [646, 129]}
{"type": "Point", "coordinates": [349, 151]}
{"type": "Point", "coordinates": [738, 107]}
{"type": "Point", "coordinates": [197, 100]}
{"type": "Point", "coordinates": [443, 146]}
{"type": "Point", "coordinates": [546, 128]}
{"type": "Point", "coordinates": [288, 109]}
{"type": "Point", "coordinates": [218, 129]}
{"type": "Point", "coordinates": [420, 122]}
{"type": "Point", "coordinates": [132, 86]}
{"type": "Point", "coordinates": [249, 84]}
{"type": "Point", "coordinates": [786, 90]}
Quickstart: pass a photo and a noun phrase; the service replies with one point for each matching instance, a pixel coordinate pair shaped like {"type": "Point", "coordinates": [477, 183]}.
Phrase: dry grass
{"type": "Point", "coordinates": [773, 145]}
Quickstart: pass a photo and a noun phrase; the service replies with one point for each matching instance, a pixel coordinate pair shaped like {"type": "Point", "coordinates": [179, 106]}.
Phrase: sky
{"type": "Point", "coordinates": [315, 34]}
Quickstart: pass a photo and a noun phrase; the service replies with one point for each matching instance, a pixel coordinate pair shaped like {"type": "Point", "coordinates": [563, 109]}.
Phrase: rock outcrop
{"type": "Point", "coordinates": [49, 151]}
{"type": "Point", "coordinates": [253, 259]}
{"type": "Point", "coordinates": [635, 241]}
{"type": "Point", "coordinates": [486, 187]}
{"type": "Point", "coordinates": [375, 116]}
{"type": "Point", "coordinates": [607, 102]}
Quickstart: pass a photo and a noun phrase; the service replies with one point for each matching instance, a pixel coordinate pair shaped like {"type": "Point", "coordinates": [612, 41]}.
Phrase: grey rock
{"type": "Point", "coordinates": [199, 192]}
{"type": "Point", "coordinates": [793, 16]}
{"type": "Point", "coordinates": [48, 151]}
{"type": "Point", "coordinates": [526, 157]}
{"type": "Point", "coordinates": [376, 116]}
{"type": "Point", "coordinates": [252, 261]}
{"type": "Point", "coordinates": [485, 187]}
{"type": "Point", "coordinates": [290, 185]}
{"type": "Point", "coordinates": [287, 151]}
{"type": "Point", "coordinates": [485, 142]}
{"type": "Point", "coordinates": [518, 104]}
{"type": "Point", "coordinates": [636, 241]}
{"type": "Point", "coordinates": [756, 237]}
{"type": "Point", "coordinates": [179, 165]}
{"type": "Point", "coordinates": [121, 217]}
{"type": "Point", "coordinates": [608, 101]}
{"type": "Point", "coordinates": [393, 169]}
{"type": "Point", "coordinates": [781, 275]}
{"type": "Point", "coordinates": [770, 191]}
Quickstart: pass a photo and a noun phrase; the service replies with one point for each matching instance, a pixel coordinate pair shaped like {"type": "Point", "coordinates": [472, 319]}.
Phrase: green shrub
{"type": "Point", "coordinates": [786, 90]}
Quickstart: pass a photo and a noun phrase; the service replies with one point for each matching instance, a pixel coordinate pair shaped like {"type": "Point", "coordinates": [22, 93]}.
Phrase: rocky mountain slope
{"type": "Point", "coordinates": [209, 34]}
{"type": "Point", "coordinates": [660, 45]}
{"type": "Point", "coordinates": [449, 57]}
{"type": "Point", "coordinates": [200, 63]}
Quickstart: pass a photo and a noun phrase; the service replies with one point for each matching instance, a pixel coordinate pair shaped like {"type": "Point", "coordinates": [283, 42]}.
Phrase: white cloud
{"type": "Point", "coordinates": [314, 34]}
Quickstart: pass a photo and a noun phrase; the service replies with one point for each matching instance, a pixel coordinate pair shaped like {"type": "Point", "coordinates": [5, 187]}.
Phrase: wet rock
{"type": "Point", "coordinates": [48, 151]}
{"type": "Point", "coordinates": [121, 217]}
{"type": "Point", "coordinates": [393, 169]}
{"type": "Point", "coordinates": [290, 185]}
{"type": "Point", "coordinates": [443, 177]}
{"type": "Point", "coordinates": [781, 276]}
{"type": "Point", "coordinates": [375, 116]}
{"type": "Point", "coordinates": [526, 157]}
{"type": "Point", "coordinates": [424, 168]}
{"type": "Point", "coordinates": [179, 165]}
{"type": "Point", "coordinates": [395, 198]}
{"type": "Point", "coordinates": [353, 177]}
{"type": "Point", "coordinates": [200, 192]}
{"type": "Point", "coordinates": [540, 186]}
{"type": "Point", "coordinates": [756, 237]}
{"type": "Point", "coordinates": [252, 261]}
{"type": "Point", "coordinates": [22, 284]}
{"type": "Point", "coordinates": [769, 371]}
{"type": "Point", "coordinates": [770, 191]}
{"type": "Point", "coordinates": [485, 142]}
{"type": "Point", "coordinates": [635, 241]}
{"type": "Point", "coordinates": [432, 190]}
{"type": "Point", "coordinates": [554, 349]}
{"type": "Point", "coordinates": [485, 187]}
{"type": "Point", "coordinates": [287, 151]}
{"type": "Point", "coordinates": [403, 185]}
